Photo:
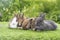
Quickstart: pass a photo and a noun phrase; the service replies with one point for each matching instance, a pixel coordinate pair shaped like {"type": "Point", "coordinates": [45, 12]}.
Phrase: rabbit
{"type": "Point", "coordinates": [42, 24]}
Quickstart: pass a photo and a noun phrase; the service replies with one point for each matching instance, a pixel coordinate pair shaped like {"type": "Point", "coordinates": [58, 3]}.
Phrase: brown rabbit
{"type": "Point", "coordinates": [23, 21]}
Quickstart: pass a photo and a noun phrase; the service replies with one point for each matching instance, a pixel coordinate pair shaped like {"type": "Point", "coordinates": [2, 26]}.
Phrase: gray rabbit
{"type": "Point", "coordinates": [42, 24]}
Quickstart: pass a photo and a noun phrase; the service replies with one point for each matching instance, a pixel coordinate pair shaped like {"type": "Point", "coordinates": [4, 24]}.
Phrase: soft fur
{"type": "Point", "coordinates": [13, 22]}
{"type": "Point", "coordinates": [23, 21]}
{"type": "Point", "coordinates": [42, 24]}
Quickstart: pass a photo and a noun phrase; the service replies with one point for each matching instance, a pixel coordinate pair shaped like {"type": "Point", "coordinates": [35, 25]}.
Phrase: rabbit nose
{"type": "Point", "coordinates": [19, 25]}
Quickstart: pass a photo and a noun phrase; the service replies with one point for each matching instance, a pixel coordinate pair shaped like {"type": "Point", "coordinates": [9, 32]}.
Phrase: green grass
{"type": "Point", "coordinates": [17, 34]}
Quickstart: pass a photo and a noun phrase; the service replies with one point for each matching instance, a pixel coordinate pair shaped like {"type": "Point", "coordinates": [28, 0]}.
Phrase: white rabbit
{"type": "Point", "coordinates": [13, 23]}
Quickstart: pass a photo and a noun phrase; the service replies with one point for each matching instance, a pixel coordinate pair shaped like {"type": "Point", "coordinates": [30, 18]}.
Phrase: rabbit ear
{"type": "Point", "coordinates": [15, 14]}
{"type": "Point", "coordinates": [21, 15]}
{"type": "Point", "coordinates": [42, 15]}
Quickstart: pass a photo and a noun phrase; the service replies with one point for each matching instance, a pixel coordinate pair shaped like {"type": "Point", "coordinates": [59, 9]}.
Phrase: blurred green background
{"type": "Point", "coordinates": [31, 8]}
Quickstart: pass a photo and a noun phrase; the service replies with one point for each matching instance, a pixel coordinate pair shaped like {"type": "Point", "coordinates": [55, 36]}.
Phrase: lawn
{"type": "Point", "coordinates": [18, 34]}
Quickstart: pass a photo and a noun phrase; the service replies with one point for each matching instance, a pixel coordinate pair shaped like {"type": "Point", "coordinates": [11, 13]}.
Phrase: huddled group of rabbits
{"type": "Point", "coordinates": [38, 23]}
